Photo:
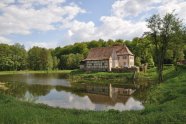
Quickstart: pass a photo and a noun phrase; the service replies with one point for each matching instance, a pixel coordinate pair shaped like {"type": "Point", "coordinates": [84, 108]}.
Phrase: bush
{"type": "Point", "coordinates": [182, 66]}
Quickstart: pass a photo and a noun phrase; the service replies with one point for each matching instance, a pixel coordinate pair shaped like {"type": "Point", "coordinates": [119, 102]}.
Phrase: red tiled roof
{"type": "Point", "coordinates": [122, 50]}
{"type": "Point", "coordinates": [100, 53]}
{"type": "Point", "coordinates": [103, 53]}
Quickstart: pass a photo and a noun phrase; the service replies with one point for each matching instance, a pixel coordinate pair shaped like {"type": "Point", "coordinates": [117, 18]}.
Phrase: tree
{"type": "Point", "coordinates": [70, 61]}
{"type": "Point", "coordinates": [12, 57]}
{"type": "Point", "coordinates": [161, 35]}
{"type": "Point", "coordinates": [80, 48]}
{"type": "Point", "coordinates": [93, 44]}
{"type": "Point", "coordinates": [137, 61]}
{"type": "Point", "coordinates": [179, 45]}
{"type": "Point", "coordinates": [40, 59]}
{"type": "Point", "coordinates": [19, 57]}
{"type": "Point", "coordinates": [142, 49]}
{"type": "Point", "coordinates": [55, 62]}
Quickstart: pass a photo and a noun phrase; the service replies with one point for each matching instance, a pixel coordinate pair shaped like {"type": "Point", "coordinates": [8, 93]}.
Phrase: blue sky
{"type": "Point", "coordinates": [52, 23]}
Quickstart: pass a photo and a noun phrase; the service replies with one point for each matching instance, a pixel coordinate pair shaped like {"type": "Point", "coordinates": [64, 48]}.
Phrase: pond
{"type": "Point", "coordinates": [57, 91]}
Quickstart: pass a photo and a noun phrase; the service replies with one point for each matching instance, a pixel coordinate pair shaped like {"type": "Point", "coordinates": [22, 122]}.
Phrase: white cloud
{"type": "Point", "coordinates": [7, 1]}
{"type": "Point", "coordinates": [118, 25]}
{"type": "Point", "coordinates": [81, 31]}
{"type": "Point", "coordinates": [24, 16]}
{"type": "Point", "coordinates": [126, 8]}
{"type": "Point", "coordinates": [116, 28]}
{"type": "Point", "coordinates": [51, 44]}
{"type": "Point", "coordinates": [112, 27]}
{"type": "Point", "coordinates": [179, 6]}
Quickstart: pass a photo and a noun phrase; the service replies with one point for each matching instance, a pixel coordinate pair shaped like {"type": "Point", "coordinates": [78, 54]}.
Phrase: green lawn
{"type": "Point", "coordinates": [95, 77]}
{"type": "Point", "coordinates": [34, 72]}
{"type": "Point", "coordinates": [165, 104]}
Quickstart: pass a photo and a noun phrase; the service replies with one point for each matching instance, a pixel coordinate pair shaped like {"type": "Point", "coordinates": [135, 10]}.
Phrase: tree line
{"type": "Point", "coordinates": [15, 57]}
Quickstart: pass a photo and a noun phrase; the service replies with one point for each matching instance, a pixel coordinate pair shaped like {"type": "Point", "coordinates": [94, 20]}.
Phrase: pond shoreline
{"type": "Point", "coordinates": [78, 75]}
{"type": "Point", "coordinates": [34, 72]}
{"type": "Point", "coordinates": [55, 91]}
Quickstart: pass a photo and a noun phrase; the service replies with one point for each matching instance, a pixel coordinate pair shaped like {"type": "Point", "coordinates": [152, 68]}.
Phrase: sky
{"type": "Point", "coordinates": [53, 23]}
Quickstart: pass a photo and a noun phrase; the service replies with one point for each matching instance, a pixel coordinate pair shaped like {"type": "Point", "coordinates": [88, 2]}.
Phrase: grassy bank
{"type": "Point", "coordinates": [94, 77]}
{"type": "Point", "coordinates": [165, 104]}
{"type": "Point", "coordinates": [34, 72]}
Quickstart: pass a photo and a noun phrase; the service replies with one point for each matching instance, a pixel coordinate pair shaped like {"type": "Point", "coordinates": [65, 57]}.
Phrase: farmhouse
{"type": "Point", "coordinates": [106, 58]}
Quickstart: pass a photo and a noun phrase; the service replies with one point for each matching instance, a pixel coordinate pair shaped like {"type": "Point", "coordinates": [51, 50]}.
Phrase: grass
{"type": "Point", "coordinates": [95, 77]}
{"type": "Point", "coordinates": [34, 72]}
{"type": "Point", "coordinates": [151, 73]}
{"type": "Point", "coordinates": [165, 104]}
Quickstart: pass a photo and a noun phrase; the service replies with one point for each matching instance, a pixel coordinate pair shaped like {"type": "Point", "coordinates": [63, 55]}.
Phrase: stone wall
{"type": "Point", "coordinates": [125, 69]}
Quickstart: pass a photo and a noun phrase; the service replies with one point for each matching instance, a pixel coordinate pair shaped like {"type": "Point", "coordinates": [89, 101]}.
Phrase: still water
{"type": "Point", "coordinates": [57, 91]}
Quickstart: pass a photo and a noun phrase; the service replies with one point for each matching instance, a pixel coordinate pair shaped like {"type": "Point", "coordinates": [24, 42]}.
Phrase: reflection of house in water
{"type": "Point", "coordinates": [108, 94]}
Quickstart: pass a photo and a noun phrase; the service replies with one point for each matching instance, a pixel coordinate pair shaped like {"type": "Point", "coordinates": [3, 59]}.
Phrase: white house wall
{"type": "Point", "coordinates": [97, 65]}
{"type": "Point", "coordinates": [123, 61]}
{"type": "Point", "coordinates": [126, 60]}
{"type": "Point", "coordinates": [131, 61]}
{"type": "Point", "coordinates": [113, 61]}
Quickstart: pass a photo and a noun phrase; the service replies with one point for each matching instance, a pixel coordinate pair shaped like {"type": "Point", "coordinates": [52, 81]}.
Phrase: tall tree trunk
{"type": "Point", "coordinates": [160, 74]}
{"type": "Point", "coordinates": [160, 59]}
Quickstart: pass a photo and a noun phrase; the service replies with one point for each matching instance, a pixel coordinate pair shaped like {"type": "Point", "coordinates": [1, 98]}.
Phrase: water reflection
{"type": "Point", "coordinates": [42, 79]}
{"type": "Point", "coordinates": [89, 97]}
{"type": "Point", "coordinates": [108, 94]}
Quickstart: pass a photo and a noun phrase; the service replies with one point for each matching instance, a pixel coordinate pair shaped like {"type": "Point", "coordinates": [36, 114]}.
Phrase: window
{"type": "Point", "coordinates": [119, 57]}
{"type": "Point", "coordinates": [103, 64]}
{"type": "Point", "coordinates": [92, 64]}
{"type": "Point", "coordinates": [124, 57]}
{"type": "Point", "coordinates": [124, 63]}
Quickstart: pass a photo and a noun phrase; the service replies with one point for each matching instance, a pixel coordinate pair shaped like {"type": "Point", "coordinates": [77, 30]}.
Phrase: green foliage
{"type": "Point", "coordinates": [137, 61]}
{"type": "Point", "coordinates": [12, 57]}
{"type": "Point", "coordinates": [55, 62]}
{"type": "Point", "coordinates": [40, 59]}
{"type": "Point", "coordinates": [163, 31]}
{"type": "Point", "coordinates": [70, 61]}
{"type": "Point", "coordinates": [80, 76]}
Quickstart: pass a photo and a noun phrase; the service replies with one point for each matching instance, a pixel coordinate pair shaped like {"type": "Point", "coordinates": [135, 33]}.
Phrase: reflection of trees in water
{"type": "Point", "coordinates": [20, 90]}
{"type": "Point", "coordinates": [142, 90]}
{"type": "Point", "coordinates": [16, 89]}
{"type": "Point", "coordinates": [51, 75]}
{"type": "Point", "coordinates": [74, 90]}
{"type": "Point", "coordinates": [39, 90]}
